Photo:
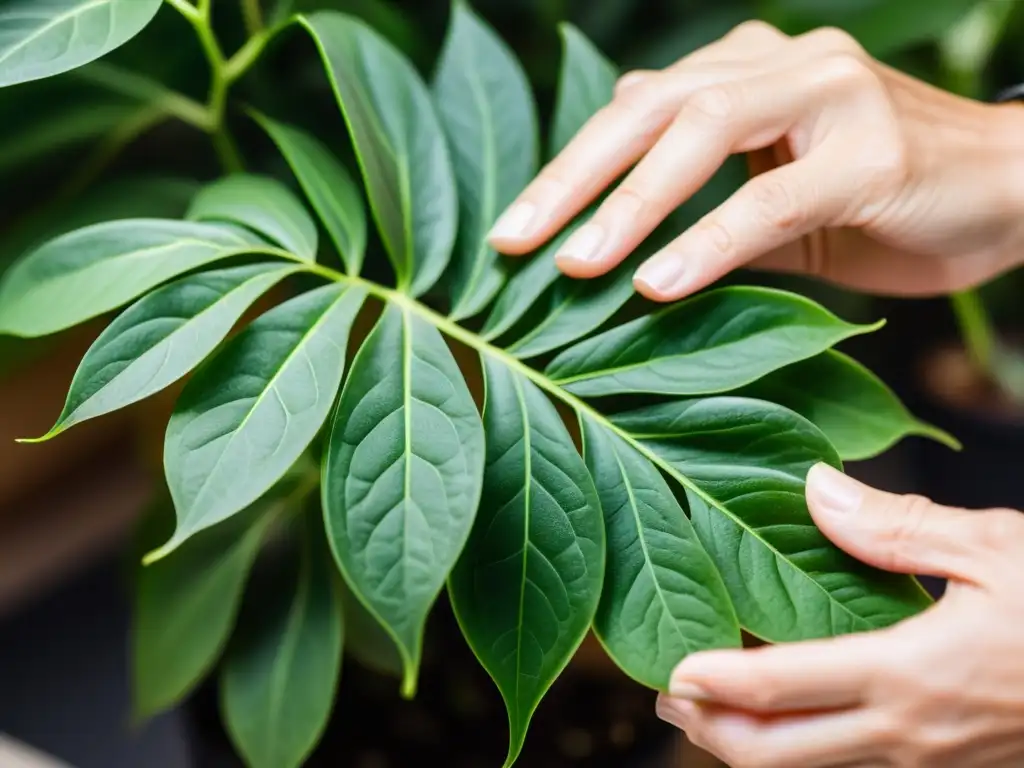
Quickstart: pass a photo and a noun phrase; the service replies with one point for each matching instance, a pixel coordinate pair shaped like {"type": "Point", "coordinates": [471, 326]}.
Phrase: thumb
{"type": "Point", "coordinates": [903, 534]}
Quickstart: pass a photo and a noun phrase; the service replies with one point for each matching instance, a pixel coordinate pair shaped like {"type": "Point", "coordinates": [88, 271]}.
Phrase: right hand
{"type": "Point", "coordinates": [864, 176]}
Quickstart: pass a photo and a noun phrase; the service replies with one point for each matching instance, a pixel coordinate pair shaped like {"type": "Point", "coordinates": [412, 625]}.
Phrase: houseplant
{"type": "Point", "coordinates": [411, 415]}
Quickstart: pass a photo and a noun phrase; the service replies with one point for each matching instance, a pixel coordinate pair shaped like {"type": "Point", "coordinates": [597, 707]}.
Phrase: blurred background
{"type": "Point", "coordinates": [72, 153]}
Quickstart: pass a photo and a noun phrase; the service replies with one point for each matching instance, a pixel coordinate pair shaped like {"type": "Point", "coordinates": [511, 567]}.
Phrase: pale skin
{"type": "Point", "coordinates": [872, 180]}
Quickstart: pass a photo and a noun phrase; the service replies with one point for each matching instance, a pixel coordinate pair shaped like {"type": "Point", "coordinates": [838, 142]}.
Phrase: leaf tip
{"type": "Point", "coordinates": [410, 679]}
{"type": "Point", "coordinates": [160, 553]}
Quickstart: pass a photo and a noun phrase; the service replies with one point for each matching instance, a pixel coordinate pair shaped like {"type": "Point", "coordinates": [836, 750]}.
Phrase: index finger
{"type": "Point", "coordinates": [819, 674]}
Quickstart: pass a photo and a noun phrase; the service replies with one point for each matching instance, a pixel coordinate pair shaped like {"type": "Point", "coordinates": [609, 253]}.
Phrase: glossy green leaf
{"type": "Point", "coordinates": [86, 273]}
{"type": "Point", "coordinates": [250, 411]}
{"type": "Point", "coordinates": [42, 38]}
{"type": "Point", "coordinates": [586, 84]}
{"type": "Point", "coordinates": [577, 308]}
{"type": "Point", "coordinates": [399, 143]}
{"type": "Point", "coordinates": [663, 597]}
{"type": "Point", "coordinates": [488, 113]}
{"type": "Point", "coordinates": [262, 204]}
{"type": "Point", "coordinates": [527, 586]}
{"type": "Point", "coordinates": [161, 338]}
{"type": "Point", "coordinates": [714, 342]}
{"type": "Point", "coordinates": [744, 463]}
{"type": "Point", "coordinates": [281, 671]}
{"type": "Point", "coordinates": [526, 286]}
{"type": "Point", "coordinates": [402, 476]}
{"type": "Point", "coordinates": [331, 190]}
{"type": "Point", "coordinates": [858, 413]}
{"type": "Point", "coordinates": [186, 604]}
{"type": "Point", "coordinates": [366, 640]}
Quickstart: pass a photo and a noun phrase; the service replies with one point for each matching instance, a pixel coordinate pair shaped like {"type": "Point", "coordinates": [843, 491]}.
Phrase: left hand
{"type": "Point", "coordinates": [942, 690]}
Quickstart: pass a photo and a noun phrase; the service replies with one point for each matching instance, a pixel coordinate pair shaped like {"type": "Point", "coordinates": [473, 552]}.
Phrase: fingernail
{"type": "Point", "coordinates": [584, 244]}
{"type": "Point", "coordinates": [829, 490]}
{"type": "Point", "coordinates": [514, 222]}
{"type": "Point", "coordinates": [662, 272]}
{"type": "Point", "coordinates": [682, 689]}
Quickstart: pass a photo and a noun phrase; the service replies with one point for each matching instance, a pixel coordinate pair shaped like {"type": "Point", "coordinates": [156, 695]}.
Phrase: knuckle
{"type": "Point", "coordinates": [755, 29]}
{"type": "Point", "coordinates": [716, 238]}
{"type": "Point", "coordinates": [997, 530]}
{"type": "Point", "coordinates": [775, 205]}
{"type": "Point", "coordinates": [836, 39]}
{"type": "Point", "coordinates": [844, 68]}
{"type": "Point", "coordinates": [714, 104]}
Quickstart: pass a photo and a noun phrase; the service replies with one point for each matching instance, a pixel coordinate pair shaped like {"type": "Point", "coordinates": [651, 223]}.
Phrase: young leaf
{"type": "Point", "coordinates": [586, 84]}
{"type": "Point", "coordinates": [663, 597]}
{"type": "Point", "coordinates": [578, 307]}
{"type": "Point", "coordinates": [743, 463]}
{"type": "Point", "coordinates": [526, 286]}
{"type": "Point", "coordinates": [366, 640]}
{"type": "Point", "coordinates": [330, 189]}
{"type": "Point", "coordinates": [161, 338]}
{"type": "Point", "coordinates": [262, 204]}
{"type": "Point", "coordinates": [487, 110]}
{"type": "Point", "coordinates": [527, 586]}
{"type": "Point", "coordinates": [282, 669]}
{"type": "Point", "coordinates": [399, 143]}
{"type": "Point", "coordinates": [42, 38]}
{"type": "Point", "coordinates": [86, 273]}
{"type": "Point", "coordinates": [714, 342]}
{"type": "Point", "coordinates": [185, 605]}
{"type": "Point", "coordinates": [250, 411]}
{"type": "Point", "coordinates": [858, 413]}
{"type": "Point", "coordinates": [402, 476]}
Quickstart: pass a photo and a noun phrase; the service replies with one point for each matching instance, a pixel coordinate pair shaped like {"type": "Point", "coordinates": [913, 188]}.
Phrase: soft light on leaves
{"type": "Point", "coordinates": [262, 204]}
{"type": "Point", "coordinates": [91, 271]}
{"type": "Point", "coordinates": [714, 342]}
{"type": "Point", "coordinates": [858, 413]}
{"type": "Point", "coordinates": [42, 38]}
{"type": "Point", "coordinates": [399, 143]}
{"type": "Point", "coordinates": [282, 669]}
{"type": "Point", "coordinates": [402, 476]}
{"type": "Point", "coordinates": [161, 338]}
{"type": "Point", "coordinates": [527, 586]}
{"type": "Point", "coordinates": [331, 190]}
{"type": "Point", "coordinates": [663, 597]}
{"type": "Point", "coordinates": [250, 411]}
{"type": "Point", "coordinates": [185, 605]}
{"type": "Point", "coordinates": [744, 463]}
{"type": "Point", "coordinates": [586, 84]}
{"type": "Point", "coordinates": [487, 110]}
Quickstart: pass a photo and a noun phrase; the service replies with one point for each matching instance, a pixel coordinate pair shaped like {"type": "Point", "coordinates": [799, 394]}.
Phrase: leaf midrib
{"type": "Point", "coordinates": [472, 340]}
{"type": "Point", "coordinates": [527, 486]}
{"type": "Point", "coordinates": [54, 22]}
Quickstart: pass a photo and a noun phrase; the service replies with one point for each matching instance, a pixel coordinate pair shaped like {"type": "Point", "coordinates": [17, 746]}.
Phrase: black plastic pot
{"type": "Point", "coordinates": [457, 719]}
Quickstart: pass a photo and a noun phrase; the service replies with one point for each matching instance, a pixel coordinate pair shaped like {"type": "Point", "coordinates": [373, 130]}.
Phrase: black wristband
{"type": "Point", "coordinates": [1013, 93]}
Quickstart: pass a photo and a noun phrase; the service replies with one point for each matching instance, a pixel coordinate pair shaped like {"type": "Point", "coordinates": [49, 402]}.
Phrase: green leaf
{"type": "Point", "coordinates": [262, 204]}
{"type": "Point", "coordinates": [586, 84]}
{"type": "Point", "coordinates": [330, 189]}
{"type": "Point", "coordinates": [858, 413]}
{"type": "Point", "coordinates": [366, 640]}
{"type": "Point", "coordinates": [578, 307]}
{"type": "Point", "coordinates": [185, 605]}
{"type": "Point", "coordinates": [161, 338]}
{"type": "Point", "coordinates": [86, 273]}
{"type": "Point", "coordinates": [282, 670]}
{"type": "Point", "coordinates": [714, 342]}
{"type": "Point", "coordinates": [42, 38]}
{"type": "Point", "coordinates": [399, 143]}
{"type": "Point", "coordinates": [526, 286]}
{"type": "Point", "coordinates": [487, 110]}
{"type": "Point", "coordinates": [402, 476]}
{"type": "Point", "coordinates": [527, 586]}
{"type": "Point", "coordinates": [744, 464]}
{"type": "Point", "coordinates": [250, 411]}
{"type": "Point", "coordinates": [663, 596]}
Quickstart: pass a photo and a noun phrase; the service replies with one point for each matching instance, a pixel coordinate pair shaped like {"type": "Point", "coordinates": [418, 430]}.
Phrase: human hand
{"type": "Point", "coordinates": [942, 690]}
{"type": "Point", "coordinates": [865, 177]}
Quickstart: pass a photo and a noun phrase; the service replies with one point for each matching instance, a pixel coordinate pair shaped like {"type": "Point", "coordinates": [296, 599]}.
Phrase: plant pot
{"type": "Point", "coordinates": [591, 717]}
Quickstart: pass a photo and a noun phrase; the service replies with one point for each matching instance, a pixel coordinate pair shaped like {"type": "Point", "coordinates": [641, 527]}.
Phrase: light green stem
{"type": "Point", "coordinates": [252, 12]}
{"type": "Point", "coordinates": [976, 329]}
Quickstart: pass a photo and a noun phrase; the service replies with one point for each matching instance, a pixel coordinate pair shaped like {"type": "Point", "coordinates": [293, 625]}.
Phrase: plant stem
{"type": "Point", "coordinates": [185, 8]}
{"type": "Point", "coordinates": [975, 328]}
{"type": "Point", "coordinates": [253, 15]}
{"type": "Point", "coordinates": [146, 90]}
{"type": "Point", "coordinates": [227, 151]}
